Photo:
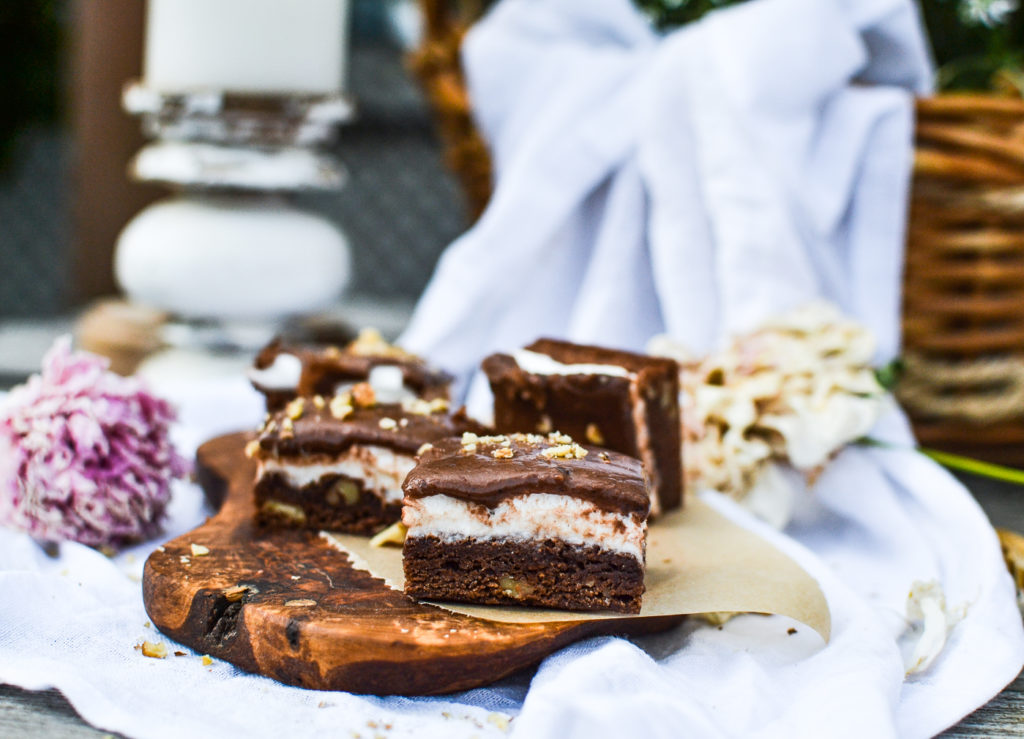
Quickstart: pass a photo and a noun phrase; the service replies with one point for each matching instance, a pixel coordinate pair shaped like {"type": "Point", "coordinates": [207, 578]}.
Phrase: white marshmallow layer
{"type": "Point", "coordinates": [541, 364]}
{"type": "Point", "coordinates": [528, 516]}
{"type": "Point", "coordinates": [382, 470]}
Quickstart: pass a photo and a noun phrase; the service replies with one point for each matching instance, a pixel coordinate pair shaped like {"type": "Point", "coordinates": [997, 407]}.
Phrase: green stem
{"type": "Point", "coordinates": [957, 462]}
{"type": "Point", "coordinates": [975, 466]}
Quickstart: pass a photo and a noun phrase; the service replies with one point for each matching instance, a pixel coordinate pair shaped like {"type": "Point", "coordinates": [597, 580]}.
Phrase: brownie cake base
{"type": "Point", "coordinates": [548, 573]}
{"type": "Point", "coordinates": [332, 503]}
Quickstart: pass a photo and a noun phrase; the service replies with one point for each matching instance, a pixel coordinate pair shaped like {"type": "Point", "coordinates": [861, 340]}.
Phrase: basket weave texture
{"type": "Point", "coordinates": [436, 64]}
{"type": "Point", "coordinates": [963, 312]}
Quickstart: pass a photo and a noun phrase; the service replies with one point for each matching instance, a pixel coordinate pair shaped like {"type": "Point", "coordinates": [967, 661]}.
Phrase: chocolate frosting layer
{"type": "Point", "coordinates": [473, 473]}
{"type": "Point", "coordinates": [318, 432]}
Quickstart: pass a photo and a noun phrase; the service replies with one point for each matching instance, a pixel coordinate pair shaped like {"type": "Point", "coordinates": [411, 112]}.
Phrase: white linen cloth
{"type": "Point", "coordinates": [877, 521]}
{"type": "Point", "coordinates": [786, 181]}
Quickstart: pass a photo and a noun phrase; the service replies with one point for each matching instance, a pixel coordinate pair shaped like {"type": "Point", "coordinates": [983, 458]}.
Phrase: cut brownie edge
{"type": "Point", "coordinates": [547, 573]}
{"type": "Point", "coordinates": [331, 503]}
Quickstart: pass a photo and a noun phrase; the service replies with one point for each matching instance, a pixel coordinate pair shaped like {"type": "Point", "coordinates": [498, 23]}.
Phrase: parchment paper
{"type": "Point", "coordinates": [698, 561]}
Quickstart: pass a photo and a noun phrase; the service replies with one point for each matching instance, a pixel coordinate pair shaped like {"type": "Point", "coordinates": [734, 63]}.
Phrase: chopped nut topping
{"type": "Point", "coordinates": [498, 719]}
{"type": "Point", "coordinates": [341, 406]}
{"type": "Point", "coordinates": [332, 352]}
{"type": "Point", "coordinates": [556, 437]}
{"type": "Point", "coordinates": [319, 403]}
{"type": "Point", "coordinates": [565, 451]}
{"type": "Point", "coordinates": [388, 424]}
{"type": "Point", "coordinates": [403, 422]}
{"type": "Point", "coordinates": [417, 406]}
{"type": "Point", "coordinates": [393, 534]}
{"type": "Point", "coordinates": [421, 407]}
{"type": "Point", "coordinates": [531, 439]}
{"type": "Point", "coordinates": [295, 409]}
{"type": "Point", "coordinates": [198, 550]}
{"type": "Point", "coordinates": [300, 603]}
{"type": "Point", "coordinates": [594, 435]}
{"type": "Point", "coordinates": [364, 395]}
{"type": "Point", "coordinates": [207, 660]}
{"type": "Point", "coordinates": [424, 449]}
{"type": "Point", "coordinates": [503, 452]}
{"type": "Point", "coordinates": [604, 457]}
{"type": "Point", "coordinates": [469, 448]}
{"type": "Point", "coordinates": [234, 593]}
{"type": "Point", "coordinates": [156, 650]}
{"type": "Point", "coordinates": [252, 448]}
{"type": "Point", "coordinates": [468, 437]}
{"type": "Point", "coordinates": [184, 559]}
{"type": "Point", "coordinates": [287, 428]}
{"type": "Point", "coordinates": [370, 343]}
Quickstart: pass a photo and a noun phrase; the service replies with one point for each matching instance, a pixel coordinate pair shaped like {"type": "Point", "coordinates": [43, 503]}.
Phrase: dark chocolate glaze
{"type": "Point", "coordinates": [324, 367]}
{"type": "Point", "coordinates": [610, 480]}
{"type": "Point", "coordinates": [318, 432]}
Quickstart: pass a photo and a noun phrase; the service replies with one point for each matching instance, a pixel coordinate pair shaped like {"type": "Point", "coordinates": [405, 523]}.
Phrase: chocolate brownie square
{"type": "Point", "coordinates": [526, 519]}
{"type": "Point", "coordinates": [339, 464]}
{"type": "Point", "coordinates": [283, 371]}
{"type": "Point", "coordinates": [614, 399]}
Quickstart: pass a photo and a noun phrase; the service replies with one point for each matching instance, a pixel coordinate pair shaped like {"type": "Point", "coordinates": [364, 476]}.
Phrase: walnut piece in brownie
{"type": "Point", "coordinates": [338, 463]}
{"type": "Point", "coordinates": [614, 399]}
{"type": "Point", "coordinates": [285, 371]}
{"type": "Point", "coordinates": [526, 519]}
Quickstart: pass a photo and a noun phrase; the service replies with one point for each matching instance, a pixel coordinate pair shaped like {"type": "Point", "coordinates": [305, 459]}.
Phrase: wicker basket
{"type": "Point", "coordinates": [963, 314]}
{"type": "Point", "coordinates": [436, 64]}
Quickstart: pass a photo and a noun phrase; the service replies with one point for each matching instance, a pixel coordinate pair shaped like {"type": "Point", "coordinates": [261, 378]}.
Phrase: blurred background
{"type": "Point", "coordinates": [418, 175]}
{"type": "Point", "coordinates": [65, 144]}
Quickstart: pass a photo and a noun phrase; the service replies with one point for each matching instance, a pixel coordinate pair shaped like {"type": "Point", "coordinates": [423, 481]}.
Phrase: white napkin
{"type": "Point", "coordinates": [689, 184]}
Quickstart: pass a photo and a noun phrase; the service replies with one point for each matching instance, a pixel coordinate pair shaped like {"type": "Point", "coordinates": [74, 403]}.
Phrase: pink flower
{"type": "Point", "coordinates": [85, 454]}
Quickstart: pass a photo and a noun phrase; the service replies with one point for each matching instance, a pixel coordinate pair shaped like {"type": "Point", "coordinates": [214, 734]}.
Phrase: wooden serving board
{"type": "Point", "coordinates": [308, 618]}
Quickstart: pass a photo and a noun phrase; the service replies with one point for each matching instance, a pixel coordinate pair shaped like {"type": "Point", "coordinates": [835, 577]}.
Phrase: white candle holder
{"type": "Point", "coordinates": [228, 248]}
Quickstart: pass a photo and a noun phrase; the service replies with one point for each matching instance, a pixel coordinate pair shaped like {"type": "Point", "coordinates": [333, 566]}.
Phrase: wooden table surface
{"type": "Point", "coordinates": [47, 714]}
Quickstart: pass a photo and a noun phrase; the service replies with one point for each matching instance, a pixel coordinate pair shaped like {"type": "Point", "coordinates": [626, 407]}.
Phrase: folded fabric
{"type": "Point", "coordinates": [691, 183]}
{"type": "Point", "coordinates": [72, 622]}
{"type": "Point", "coordinates": [695, 184]}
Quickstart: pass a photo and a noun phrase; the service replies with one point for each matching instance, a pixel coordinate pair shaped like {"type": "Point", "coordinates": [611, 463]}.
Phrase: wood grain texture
{"type": "Point", "coordinates": [308, 618]}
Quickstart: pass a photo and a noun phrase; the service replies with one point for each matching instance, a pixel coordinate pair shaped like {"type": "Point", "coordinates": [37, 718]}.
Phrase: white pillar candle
{"type": "Point", "coordinates": [261, 47]}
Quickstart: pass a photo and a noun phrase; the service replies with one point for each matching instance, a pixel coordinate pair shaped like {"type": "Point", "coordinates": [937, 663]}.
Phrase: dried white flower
{"type": "Point", "coordinates": [929, 622]}
{"type": "Point", "coordinates": [796, 391]}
